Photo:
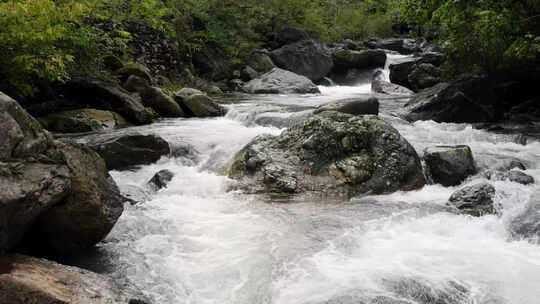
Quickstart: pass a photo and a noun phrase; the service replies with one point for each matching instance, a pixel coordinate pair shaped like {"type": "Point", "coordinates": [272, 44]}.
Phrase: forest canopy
{"type": "Point", "coordinates": [45, 40]}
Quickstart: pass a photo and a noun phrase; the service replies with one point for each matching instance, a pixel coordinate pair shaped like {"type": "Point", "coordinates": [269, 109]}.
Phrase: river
{"type": "Point", "coordinates": [195, 242]}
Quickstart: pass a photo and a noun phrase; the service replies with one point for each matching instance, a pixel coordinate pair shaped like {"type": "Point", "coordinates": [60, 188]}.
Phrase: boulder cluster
{"type": "Point", "coordinates": [56, 199]}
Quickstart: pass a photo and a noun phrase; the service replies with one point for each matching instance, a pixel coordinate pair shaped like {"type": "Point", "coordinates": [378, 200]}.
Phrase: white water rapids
{"type": "Point", "coordinates": [196, 243]}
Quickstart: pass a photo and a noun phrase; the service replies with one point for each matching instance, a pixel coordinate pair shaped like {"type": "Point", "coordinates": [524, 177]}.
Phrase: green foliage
{"type": "Point", "coordinates": [483, 35]}
{"type": "Point", "coordinates": [46, 41]}
{"type": "Point", "coordinates": [31, 32]}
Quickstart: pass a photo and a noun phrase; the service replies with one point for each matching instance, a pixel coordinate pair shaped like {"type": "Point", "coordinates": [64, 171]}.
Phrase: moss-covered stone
{"type": "Point", "coordinates": [82, 120]}
{"type": "Point", "coordinates": [162, 103]}
{"type": "Point", "coordinates": [136, 69]}
{"type": "Point", "coordinates": [330, 154]}
{"type": "Point", "coordinates": [260, 62]}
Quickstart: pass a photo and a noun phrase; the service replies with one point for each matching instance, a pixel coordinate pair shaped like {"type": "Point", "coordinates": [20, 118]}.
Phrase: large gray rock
{"type": "Point", "coordinates": [465, 101]}
{"type": "Point", "coordinates": [476, 200]}
{"type": "Point", "coordinates": [309, 58]}
{"type": "Point", "coordinates": [129, 150]}
{"type": "Point", "coordinates": [280, 81]}
{"type": "Point", "coordinates": [345, 60]}
{"type": "Point", "coordinates": [27, 280]}
{"type": "Point", "coordinates": [41, 177]}
{"type": "Point", "coordinates": [26, 191]}
{"type": "Point", "coordinates": [33, 176]}
{"type": "Point", "coordinates": [424, 75]}
{"type": "Point", "coordinates": [82, 120]}
{"type": "Point", "coordinates": [355, 106]}
{"type": "Point", "coordinates": [449, 165]}
{"type": "Point", "coordinates": [98, 94]}
{"type": "Point", "coordinates": [380, 85]}
{"type": "Point", "coordinates": [86, 215]}
{"type": "Point", "coordinates": [330, 154]}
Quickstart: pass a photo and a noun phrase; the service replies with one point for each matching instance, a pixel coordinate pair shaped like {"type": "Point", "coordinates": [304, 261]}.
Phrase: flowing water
{"type": "Point", "coordinates": [194, 242]}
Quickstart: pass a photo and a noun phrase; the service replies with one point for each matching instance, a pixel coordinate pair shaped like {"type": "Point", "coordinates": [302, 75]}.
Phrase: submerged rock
{"type": "Point", "coordinates": [82, 120]}
{"type": "Point", "coordinates": [309, 58]}
{"type": "Point", "coordinates": [476, 200]}
{"type": "Point", "coordinates": [25, 280]}
{"type": "Point", "coordinates": [355, 106]}
{"type": "Point", "coordinates": [513, 176]}
{"type": "Point", "coordinates": [161, 179]}
{"type": "Point", "coordinates": [527, 224]}
{"type": "Point", "coordinates": [130, 150]}
{"type": "Point", "coordinates": [449, 165]}
{"type": "Point", "coordinates": [330, 154]}
{"type": "Point", "coordinates": [280, 81]}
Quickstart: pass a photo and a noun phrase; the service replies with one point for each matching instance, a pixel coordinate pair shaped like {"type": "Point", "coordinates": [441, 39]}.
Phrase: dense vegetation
{"type": "Point", "coordinates": [483, 36]}
{"type": "Point", "coordinates": [46, 40]}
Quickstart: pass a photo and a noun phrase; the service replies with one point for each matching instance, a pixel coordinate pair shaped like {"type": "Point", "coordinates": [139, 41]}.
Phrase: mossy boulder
{"type": "Point", "coordinates": [331, 154]}
{"type": "Point", "coordinates": [197, 104]}
{"type": "Point", "coordinates": [162, 103]}
{"type": "Point", "coordinates": [104, 95]}
{"type": "Point", "coordinates": [136, 69]}
{"type": "Point", "coordinates": [82, 120]}
{"type": "Point", "coordinates": [260, 62]}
